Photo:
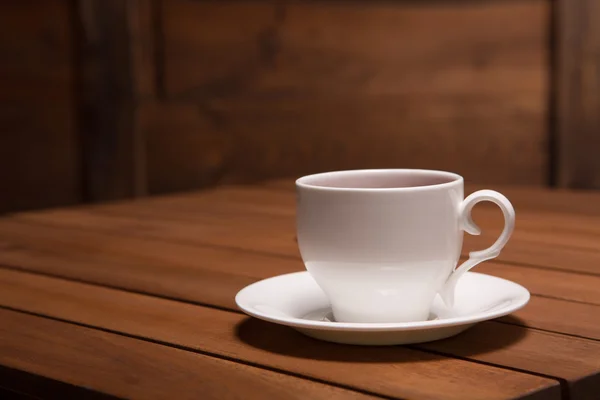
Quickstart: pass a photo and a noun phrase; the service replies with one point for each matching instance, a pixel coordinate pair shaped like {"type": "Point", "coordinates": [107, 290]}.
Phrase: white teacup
{"type": "Point", "coordinates": [382, 243]}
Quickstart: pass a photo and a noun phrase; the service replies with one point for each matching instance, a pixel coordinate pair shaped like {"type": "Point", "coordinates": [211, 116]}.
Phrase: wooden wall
{"type": "Point", "coordinates": [266, 89]}
{"type": "Point", "coordinates": [577, 88]}
{"type": "Point", "coordinates": [109, 99]}
{"type": "Point", "coordinates": [40, 162]}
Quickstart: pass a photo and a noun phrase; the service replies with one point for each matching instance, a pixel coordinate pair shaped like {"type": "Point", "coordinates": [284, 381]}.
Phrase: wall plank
{"type": "Point", "coordinates": [181, 94]}
{"type": "Point", "coordinates": [107, 109]}
{"type": "Point", "coordinates": [39, 166]}
{"type": "Point", "coordinates": [578, 94]}
{"type": "Point", "coordinates": [284, 88]}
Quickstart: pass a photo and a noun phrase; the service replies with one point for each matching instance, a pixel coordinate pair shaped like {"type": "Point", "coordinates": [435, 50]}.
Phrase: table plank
{"type": "Point", "coordinates": [575, 201]}
{"type": "Point", "coordinates": [582, 202]}
{"type": "Point", "coordinates": [557, 284]}
{"type": "Point", "coordinates": [529, 353]}
{"type": "Point", "coordinates": [230, 218]}
{"type": "Point", "coordinates": [207, 275]}
{"type": "Point", "coordinates": [132, 368]}
{"type": "Point", "coordinates": [223, 243]}
{"type": "Point", "coordinates": [541, 238]}
{"type": "Point", "coordinates": [559, 316]}
{"type": "Point", "coordinates": [240, 199]}
{"type": "Point", "coordinates": [536, 231]}
{"type": "Point", "coordinates": [390, 371]}
{"type": "Point", "coordinates": [98, 233]}
{"type": "Point", "coordinates": [237, 200]}
{"type": "Point", "coordinates": [545, 256]}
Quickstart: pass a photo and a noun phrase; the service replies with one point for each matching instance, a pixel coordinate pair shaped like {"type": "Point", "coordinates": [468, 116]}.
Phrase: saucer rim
{"type": "Point", "coordinates": [387, 326]}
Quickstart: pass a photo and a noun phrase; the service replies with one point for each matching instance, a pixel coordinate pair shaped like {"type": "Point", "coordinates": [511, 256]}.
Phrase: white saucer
{"type": "Point", "coordinates": [297, 301]}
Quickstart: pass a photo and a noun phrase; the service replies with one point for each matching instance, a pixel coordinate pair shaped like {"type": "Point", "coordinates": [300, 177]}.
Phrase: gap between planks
{"type": "Point", "coordinates": [234, 238]}
{"type": "Point", "coordinates": [176, 283]}
{"type": "Point", "coordinates": [161, 310]}
{"type": "Point", "coordinates": [210, 209]}
{"type": "Point", "coordinates": [575, 288]}
{"type": "Point", "coordinates": [185, 358]}
{"type": "Point", "coordinates": [502, 320]}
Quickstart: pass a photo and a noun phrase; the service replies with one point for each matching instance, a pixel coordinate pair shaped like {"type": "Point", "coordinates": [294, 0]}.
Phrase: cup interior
{"type": "Point", "coordinates": [379, 179]}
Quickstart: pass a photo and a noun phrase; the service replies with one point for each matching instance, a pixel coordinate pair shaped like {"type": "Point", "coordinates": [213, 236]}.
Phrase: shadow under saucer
{"type": "Point", "coordinates": [273, 338]}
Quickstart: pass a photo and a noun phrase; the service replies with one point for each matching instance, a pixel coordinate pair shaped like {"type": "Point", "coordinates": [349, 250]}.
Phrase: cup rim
{"type": "Point", "coordinates": [305, 181]}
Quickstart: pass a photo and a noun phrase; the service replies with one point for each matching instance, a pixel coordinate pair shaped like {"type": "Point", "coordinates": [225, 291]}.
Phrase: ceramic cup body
{"type": "Point", "coordinates": [380, 243]}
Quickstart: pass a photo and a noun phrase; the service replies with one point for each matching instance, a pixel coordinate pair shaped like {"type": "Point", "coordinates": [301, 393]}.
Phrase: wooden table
{"type": "Point", "coordinates": [136, 299]}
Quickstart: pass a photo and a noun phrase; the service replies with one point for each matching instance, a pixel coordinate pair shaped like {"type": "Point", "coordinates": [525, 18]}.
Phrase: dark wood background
{"type": "Point", "coordinates": [111, 99]}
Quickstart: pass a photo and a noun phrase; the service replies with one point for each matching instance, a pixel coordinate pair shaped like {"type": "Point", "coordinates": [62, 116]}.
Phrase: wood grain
{"type": "Point", "coordinates": [577, 97]}
{"type": "Point", "coordinates": [559, 284]}
{"type": "Point", "coordinates": [555, 200]}
{"type": "Point", "coordinates": [212, 276]}
{"type": "Point", "coordinates": [180, 153]}
{"type": "Point", "coordinates": [131, 368]}
{"type": "Point", "coordinates": [549, 314]}
{"type": "Point", "coordinates": [40, 158]}
{"type": "Point", "coordinates": [301, 87]}
{"type": "Point", "coordinates": [561, 240]}
{"type": "Point", "coordinates": [528, 353]}
{"type": "Point", "coordinates": [115, 245]}
{"type": "Point", "coordinates": [318, 49]}
{"type": "Point", "coordinates": [390, 371]}
{"type": "Point", "coordinates": [228, 217]}
{"type": "Point", "coordinates": [536, 231]}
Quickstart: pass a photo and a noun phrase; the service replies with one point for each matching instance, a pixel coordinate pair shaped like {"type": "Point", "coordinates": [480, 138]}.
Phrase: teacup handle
{"type": "Point", "coordinates": [467, 224]}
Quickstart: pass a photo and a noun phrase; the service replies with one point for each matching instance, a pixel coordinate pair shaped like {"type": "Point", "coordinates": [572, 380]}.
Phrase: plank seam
{"type": "Point", "coordinates": [198, 351]}
{"type": "Point", "coordinates": [501, 321]}
{"type": "Point", "coordinates": [564, 384]}
{"type": "Point", "coordinates": [542, 267]}
{"type": "Point", "coordinates": [118, 213]}
{"type": "Point", "coordinates": [547, 296]}
{"type": "Point", "coordinates": [561, 381]}
{"type": "Point", "coordinates": [235, 310]}
{"type": "Point", "coordinates": [275, 255]}
{"type": "Point", "coordinates": [112, 287]}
